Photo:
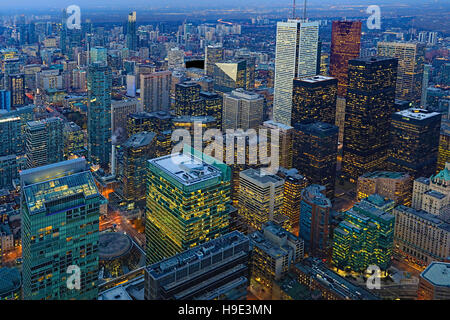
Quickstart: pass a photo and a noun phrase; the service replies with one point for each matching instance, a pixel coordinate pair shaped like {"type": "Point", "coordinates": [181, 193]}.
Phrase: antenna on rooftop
{"type": "Point", "coordinates": [304, 11]}
{"type": "Point", "coordinates": [293, 10]}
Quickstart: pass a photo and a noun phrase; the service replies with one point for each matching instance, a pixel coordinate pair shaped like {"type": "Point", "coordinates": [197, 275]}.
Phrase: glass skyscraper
{"type": "Point", "coordinates": [296, 57]}
{"type": "Point", "coordinates": [60, 207]}
{"type": "Point", "coordinates": [99, 114]}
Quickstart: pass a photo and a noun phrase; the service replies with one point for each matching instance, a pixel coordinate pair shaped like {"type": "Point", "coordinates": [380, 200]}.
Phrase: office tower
{"type": "Point", "coordinates": [174, 184]}
{"type": "Point", "coordinates": [5, 100]}
{"type": "Point", "coordinates": [296, 57]}
{"type": "Point", "coordinates": [434, 282]}
{"type": "Point", "coordinates": [365, 236]}
{"type": "Point", "coordinates": [274, 252]}
{"type": "Point", "coordinates": [120, 109]}
{"type": "Point", "coordinates": [420, 237]}
{"type": "Point", "coordinates": [60, 208]}
{"type": "Point", "coordinates": [444, 145]}
{"type": "Point", "coordinates": [213, 104]}
{"type": "Point", "coordinates": [242, 110]}
{"type": "Point", "coordinates": [137, 150]}
{"type": "Point", "coordinates": [427, 74]}
{"type": "Point", "coordinates": [193, 123]}
{"type": "Point", "coordinates": [369, 104]}
{"type": "Point", "coordinates": [411, 58]}
{"type": "Point", "coordinates": [432, 194]}
{"type": "Point", "coordinates": [395, 186]}
{"type": "Point", "coordinates": [250, 70]}
{"type": "Point", "coordinates": [213, 54]}
{"type": "Point", "coordinates": [98, 54]}
{"type": "Point", "coordinates": [260, 197]}
{"type": "Point", "coordinates": [345, 46]}
{"type": "Point", "coordinates": [414, 142]}
{"type": "Point", "coordinates": [215, 270]}
{"type": "Point", "coordinates": [44, 142]}
{"type": "Point", "coordinates": [74, 140]}
{"type": "Point", "coordinates": [99, 114]}
{"type": "Point", "coordinates": [9, 171]}
{"type": "Point", "coordinates": [155, 91]}
{"type": "Point", "coordinates": [175, 58]}
{"type": "Point", "coordinates": [131, 35]}
{"type": "Point", "coordinates": [131, 85]}
{"type": "Point", "coordinates": [311, 273]}
{"type": "Point", "coordinates": [17, 87]}
{"type": "Point", "coordinates": [187, 99]}
{"type": "Point", "coordinates": [284, 142]}
{"type": "Point", "coordinates": [230, 75]}
{"type": "Point", "coordinates": [314, 99]}
{"type": "Point", "coordinates": [315, 153]}
{"type": "Point", "coordinates": [314, 225]}
{"type": "Point", "coordinates": [294, 183]}
{"type": "Point", "coordinates": [340, 117]}
{"type": "Point", "coordinates": [10, 135]}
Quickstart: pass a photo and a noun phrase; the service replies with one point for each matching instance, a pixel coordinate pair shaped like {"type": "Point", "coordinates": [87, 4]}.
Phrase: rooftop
{"type": "Point", "coordinates": [314, 194]}
{"type": "Point", "coordinates": [417, 114]}
{"type": "Point", "coordinates": [316, 79]}
{"type": "Point", "coordinates": [385, 174]}
{"type": "Point", "coordinates": [140, 139]}
{"type": "Point", "coordinates": [438, 273]}
{"type": "Point", "coordinates": [258, 175]}
{"type": "Point", "coordinates": [10, 280]}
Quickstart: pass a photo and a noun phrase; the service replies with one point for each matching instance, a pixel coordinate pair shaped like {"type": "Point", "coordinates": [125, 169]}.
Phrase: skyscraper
{"type": "Point", "coordinates": [17, 87]}
{"type": "Point", "coordinates": [155, 91]}
{"type": "Point", "coordinates": [365, 236]}
{"type": "Point", "coordinates": [370, 101]}
{"type": "Point", "coordinates": [10, 136]}
{"type": "Point", "coordinates": [314, 225]}
{"type": "Point", "coordinates": [411, 58]}
{"type": "Point", "coordinates": [213, 54]}
{"type": "Point", "coordinates": [414, 142]}
{"type": "Point", "coordinates": [131, 36]}
{"type": "Point", "coordinates": [260, 198]}
{"type": "Point", "coordinates": [230, 75]}
{"type": "Point", "coordinates": [44, 142]}
{"type": "Point", "coordinates": [187, 99]}
{"type": "Point", "coordinates": [296, 57]}
{"type": "Point", "coordinates": [315, 153]}
{"type": "Point", "coordinates": [444, 145]}
{"type": "Point", "coordinates": [345, 46]}
{"type": "Point", "coordinates": [99, 114]}
{"type": "Point", "coordinates": [188, 203]}
{"type": "Point", "coordinates": [285, 142]}
{"type": "Point", "coordinates": [314, 99]}
{"type": "Point", "coordinates": [242, 110]}
{"type": "Point", "coordinates": [60, 207]}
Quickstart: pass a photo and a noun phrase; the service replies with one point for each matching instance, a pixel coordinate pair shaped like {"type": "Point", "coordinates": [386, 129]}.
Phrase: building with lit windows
{"type": "Point", "coordinates": [16, 85]}
{"type": "Point", "coordinates": [444, 145]}
{"type": "Point", "coordinates": [294, 183]}
{"type": "Point", "coordinates": [9, 171]}
{"type": "Point", "coordinates": [215, 270]}
{"type": "Point", "coordinates": [188, 203]}
{"type": "Point", "coordinates": [420, 237]}
{"type": "Point", "coordinates": [11, 135]}
{"type": "Point", "coordinates": [44, 142]}
{"type": "Point", "coordinates": [315, 153]}
{"type": "Point", "coordinates": [285, 141]}
{"type": "Point", "coordinates": [297, 46]}
{"type": "Point", "coordinates": [314, 99]}
{"type": "Point", "coordinates": [314, 225]}
{"type": "Point", "coordinates": [213, 104]}
{"type": "Point", "coordinates": [137, 150]}
{"type": "Point", "coordinates": [213, 54]}
{"type": "Point", "coordinates": [260, 197]}
{"type": "Point", "coordinates": [242, 110]}
{"type": "Point", "coordinates": [365, 236]}
{"type": "Point", "coordinates": [434, 282]}
{"type": "Point", "coordinates": [396, 186]}
{"type": "Point", "coordinates": [99, 114]}
{"type": "Point", "coordinates": [345, 46]}
{"type": "Point", "coordinates": [230, 75]}
{"type": "Point", "coordinates": [369, 104]}
{"type": "Point", "coordinates": [155, 90]}
{"type": "Point", "coordinates": [60, 207]}
{"type": "Point", "coordinates": [98, 54]}
{"type": "Point", "coordinates": [411, 57]}
{"type": "Point", "coordinates": [74, 140]}
{"type": "Point", "coordinates": [120, 109]}
{"type": "Point", "coordinates": [274, 253]}
{"type": "Point", "coordinates": [187, 99]}
{"type": "Point", "coordinates": [414, 142]}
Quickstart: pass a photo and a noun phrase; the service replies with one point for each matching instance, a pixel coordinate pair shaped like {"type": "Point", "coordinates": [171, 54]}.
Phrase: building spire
{"type": "Point", "coordinates": [304, 11]}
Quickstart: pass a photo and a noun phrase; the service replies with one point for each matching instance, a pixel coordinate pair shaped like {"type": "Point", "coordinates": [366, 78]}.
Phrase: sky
{"type": "Point", "coordinates": [6, 4]}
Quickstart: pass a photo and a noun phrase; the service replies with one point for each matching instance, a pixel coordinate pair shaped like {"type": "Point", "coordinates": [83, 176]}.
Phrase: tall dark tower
{"type": "Point", "coordinates": [370, 103]}
{"type": "Point", "coordinates": [131, 31]}
{"type": "Point", "coordinates": [345, 46]}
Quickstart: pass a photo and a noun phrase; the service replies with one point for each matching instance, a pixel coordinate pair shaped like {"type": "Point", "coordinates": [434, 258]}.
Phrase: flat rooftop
{"type": "Point", "coordinates": [385, 174]}
{"type": "Point", "coordinates": [417, 114]}
{"type": "Point", "coordinates": [258, 175]}
{"type": "Point", "coordinates": [139, 139]}
{"type": "Point", "coordinates": [186, 169]}
{"type": "Point", "coordinates": [316, 79]}
{"type": "Point", "coordinates": [438, 273]}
